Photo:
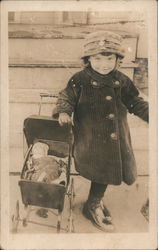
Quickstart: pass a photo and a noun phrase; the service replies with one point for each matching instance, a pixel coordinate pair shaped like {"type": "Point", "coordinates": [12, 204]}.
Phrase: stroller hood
{"type": "Point", "coordinates": [44, 127]}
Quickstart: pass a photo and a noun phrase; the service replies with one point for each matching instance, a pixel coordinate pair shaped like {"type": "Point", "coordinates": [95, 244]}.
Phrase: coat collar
{"type": "Point", "coordinates": [98, 80]}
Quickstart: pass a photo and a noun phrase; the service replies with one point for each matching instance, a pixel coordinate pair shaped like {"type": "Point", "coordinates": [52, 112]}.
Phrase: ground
{"type": "Point", "coordinates": [124, 203]}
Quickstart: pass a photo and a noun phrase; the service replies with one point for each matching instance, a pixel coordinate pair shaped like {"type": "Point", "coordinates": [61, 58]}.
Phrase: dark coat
{"type": "Point", "coordinates": [102, 145]}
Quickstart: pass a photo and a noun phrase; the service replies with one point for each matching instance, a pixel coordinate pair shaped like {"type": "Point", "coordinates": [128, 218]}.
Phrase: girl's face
{"type": "Point", "coordinates": [103, 64]}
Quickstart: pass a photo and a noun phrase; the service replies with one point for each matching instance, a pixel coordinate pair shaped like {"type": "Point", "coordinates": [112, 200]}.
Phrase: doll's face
{"type": "Point", "coordinates": [103, 64]}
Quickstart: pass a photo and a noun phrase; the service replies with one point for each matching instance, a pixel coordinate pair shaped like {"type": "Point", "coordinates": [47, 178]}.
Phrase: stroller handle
{"type": "Point", "coordinates": [43, 95]}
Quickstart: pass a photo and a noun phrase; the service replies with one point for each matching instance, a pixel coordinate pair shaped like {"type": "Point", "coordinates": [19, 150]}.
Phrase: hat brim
{"type": "Point", "coordinates": [92, 54]}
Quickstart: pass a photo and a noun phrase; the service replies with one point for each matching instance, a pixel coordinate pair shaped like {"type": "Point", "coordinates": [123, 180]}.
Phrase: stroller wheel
{"type": "Point", "coordinates": [72, 194]}
{"type": "Point", "coordinates": [59, 221]}
{"type": "Point", "coordinates": [15, 218]}
{"type": "Point", "coordinates": [71, 200]}
{"type": "Point", "coordinates": [24, 222]}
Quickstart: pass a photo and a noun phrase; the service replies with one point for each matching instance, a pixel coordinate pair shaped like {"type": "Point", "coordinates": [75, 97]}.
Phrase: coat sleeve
{"type": "Point", "coordinates": [135, 104]}
{"type": "Point", "coordinates": [68, 97]}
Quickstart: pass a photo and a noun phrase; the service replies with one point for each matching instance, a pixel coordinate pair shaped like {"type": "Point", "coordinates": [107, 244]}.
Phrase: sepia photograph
{"type": "Point", "coordinates": [80, 123]}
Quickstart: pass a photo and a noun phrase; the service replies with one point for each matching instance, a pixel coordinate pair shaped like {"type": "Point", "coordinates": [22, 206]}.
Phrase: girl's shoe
{"type": "Point", "coordinates": [106, 212]}
{"type": "Point", "coordinates": [95, 214]}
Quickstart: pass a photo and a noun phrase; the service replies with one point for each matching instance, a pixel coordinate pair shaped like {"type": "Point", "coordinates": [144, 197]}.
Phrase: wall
{"type": "Point", "coordinates": [44, 51]}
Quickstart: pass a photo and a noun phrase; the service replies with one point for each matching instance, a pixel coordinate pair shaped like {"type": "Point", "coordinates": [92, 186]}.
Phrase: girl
{"type": "Point", "coordinates": [99, 97]}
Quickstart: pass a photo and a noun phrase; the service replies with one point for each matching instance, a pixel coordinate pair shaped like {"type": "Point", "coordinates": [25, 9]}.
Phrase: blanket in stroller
{"type": "Point", "coordinates": [45, 168]}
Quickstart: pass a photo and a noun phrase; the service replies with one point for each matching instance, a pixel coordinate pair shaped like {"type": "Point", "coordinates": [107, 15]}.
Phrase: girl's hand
{"type": "Point", "coordinates": [64, 118]}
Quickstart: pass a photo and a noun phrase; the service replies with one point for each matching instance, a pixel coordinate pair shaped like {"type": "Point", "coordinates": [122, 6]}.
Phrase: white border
{"type": "Point", "coordinates": [79, 241]}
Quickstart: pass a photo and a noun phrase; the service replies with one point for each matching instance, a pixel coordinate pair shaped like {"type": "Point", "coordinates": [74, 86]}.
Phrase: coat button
{"type": "Point", "coordinates": [111, 116]}
{"type": "Point", "coordinates": [117, 82]}
{"type": "Point", "coordinates": [114, 136]}
{"type": "Point", "coordinates": [94, 83]}
{"type": "Point", "coordinates": [108, 98]}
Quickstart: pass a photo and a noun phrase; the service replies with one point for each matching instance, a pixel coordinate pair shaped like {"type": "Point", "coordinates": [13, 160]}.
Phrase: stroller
{"type": "Point", "coordinates": [46, 130]}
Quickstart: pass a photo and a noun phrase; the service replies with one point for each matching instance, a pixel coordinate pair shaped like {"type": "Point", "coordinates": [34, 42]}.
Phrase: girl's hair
{"type": "Point", "coordinates": [86, 62]}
